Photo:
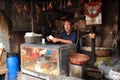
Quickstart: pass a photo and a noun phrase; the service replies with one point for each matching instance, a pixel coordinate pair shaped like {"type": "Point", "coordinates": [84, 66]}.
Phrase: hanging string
{"type": "Point", "coordinates": [43, 7]}
{"type": "Point", "coordinates": [60, 4]}
{"type": "Point", "coordinates": [64, 5]}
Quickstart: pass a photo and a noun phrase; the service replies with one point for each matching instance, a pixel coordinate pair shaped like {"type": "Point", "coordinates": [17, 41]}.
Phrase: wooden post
{"type": "Point", "coordinates": [33, 12]}
{"type": "Point", "coordinates": [118, 42]}
{"type": "Point", "coordinates": [93, 46]}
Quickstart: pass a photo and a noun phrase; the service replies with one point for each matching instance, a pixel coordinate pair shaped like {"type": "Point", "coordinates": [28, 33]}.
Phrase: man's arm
{"type": "Point", "coordinates": [62, 41]}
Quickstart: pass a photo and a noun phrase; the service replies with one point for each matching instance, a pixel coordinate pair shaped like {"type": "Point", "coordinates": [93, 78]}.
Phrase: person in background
{"type": "Point", "coordinates": [69, 36]}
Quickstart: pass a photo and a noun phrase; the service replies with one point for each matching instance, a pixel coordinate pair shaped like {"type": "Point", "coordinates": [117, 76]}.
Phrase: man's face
{"type": "Point", "coordinates": [67, 27]}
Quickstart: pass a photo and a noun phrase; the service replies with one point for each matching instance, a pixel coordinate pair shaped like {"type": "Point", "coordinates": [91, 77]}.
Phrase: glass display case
{"type": "Point", "coordinates": [42, 60]}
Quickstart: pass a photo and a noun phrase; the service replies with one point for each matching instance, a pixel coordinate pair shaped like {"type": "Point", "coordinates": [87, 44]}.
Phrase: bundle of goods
{"type": "Point", "coordinates": [114, 74]}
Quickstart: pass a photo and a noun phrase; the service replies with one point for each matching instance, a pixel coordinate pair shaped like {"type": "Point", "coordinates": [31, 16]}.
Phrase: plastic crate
{"type": "Point", "coordinates": [33, 39]}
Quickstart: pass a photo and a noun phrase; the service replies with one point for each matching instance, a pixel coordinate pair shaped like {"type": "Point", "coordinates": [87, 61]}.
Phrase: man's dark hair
{"type": "Point", "coordinates": [71, 22]}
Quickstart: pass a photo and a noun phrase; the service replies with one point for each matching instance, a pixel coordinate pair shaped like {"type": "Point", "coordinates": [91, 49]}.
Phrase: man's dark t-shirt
{"type": "Point", "coordinates": [72, 36]}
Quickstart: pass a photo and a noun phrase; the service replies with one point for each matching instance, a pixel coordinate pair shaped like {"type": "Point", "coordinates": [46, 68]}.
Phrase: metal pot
{"type": "Point", "coordinates": [75, 70]}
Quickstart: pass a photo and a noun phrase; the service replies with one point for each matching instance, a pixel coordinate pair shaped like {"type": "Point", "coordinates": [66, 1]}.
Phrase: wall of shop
{"type": "Point", "coordinates": [48, 22]}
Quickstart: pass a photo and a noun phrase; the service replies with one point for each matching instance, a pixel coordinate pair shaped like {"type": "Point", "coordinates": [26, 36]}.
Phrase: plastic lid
{"type": "Point", "coordinates": [11, 54]}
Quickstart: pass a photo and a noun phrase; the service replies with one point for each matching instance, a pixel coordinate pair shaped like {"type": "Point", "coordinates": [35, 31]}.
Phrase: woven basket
{"type": "Point", "coordinates": [79, 59]}
{"type": "Point", "coordinates": [100, 51]}
{"type": "Point", "coordinates": [103, 52]}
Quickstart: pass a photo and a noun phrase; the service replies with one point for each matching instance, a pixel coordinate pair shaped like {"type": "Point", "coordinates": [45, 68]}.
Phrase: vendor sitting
{"type": "Point", "coordinates": [69, 36]}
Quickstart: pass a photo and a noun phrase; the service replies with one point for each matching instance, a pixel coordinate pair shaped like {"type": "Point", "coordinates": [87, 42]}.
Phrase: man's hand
{"type": "Point", "coordinates": [92, 35]}
{"type": "Point", "coordinates": [54, 40]}
{"type": "Point", "coordinates": [48, 38]}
